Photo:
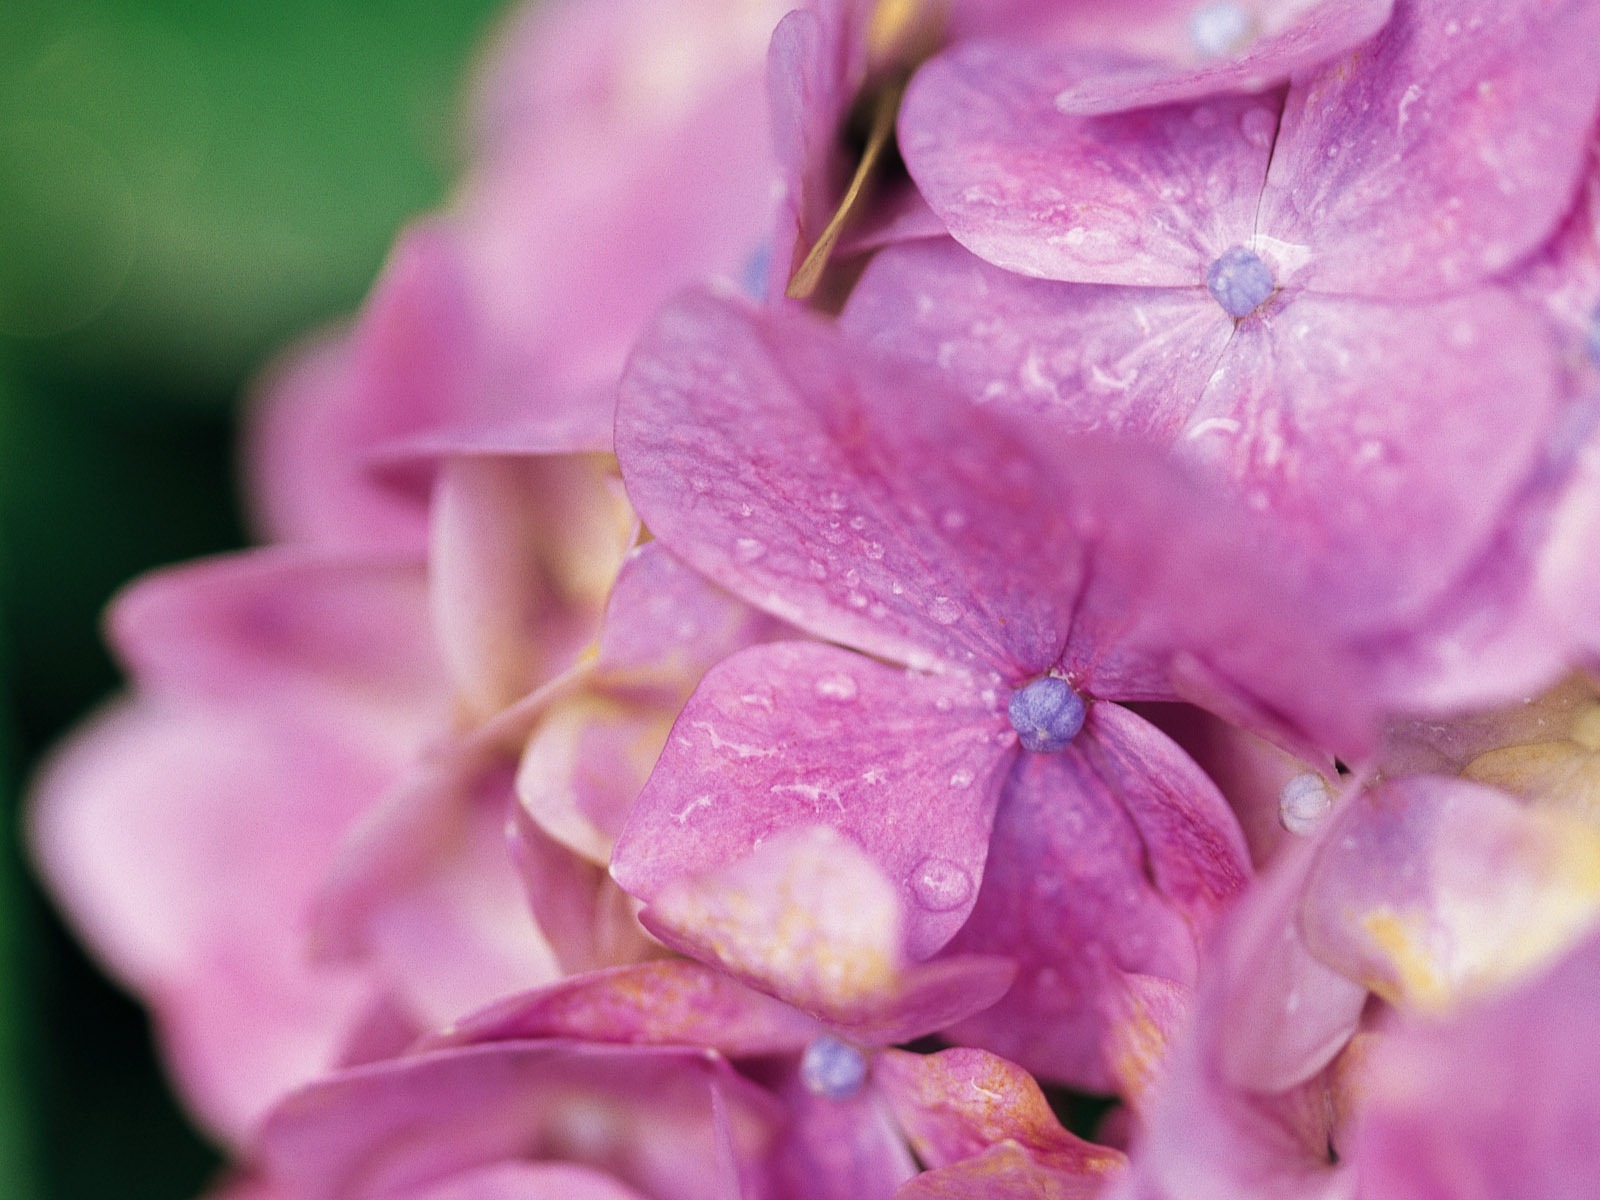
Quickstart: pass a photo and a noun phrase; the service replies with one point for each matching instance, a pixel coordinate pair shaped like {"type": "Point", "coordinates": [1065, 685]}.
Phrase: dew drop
{"type": "Point", "coordinates": [1239, 281]}
{"type": "Point", "coordinates": [944, 610]}
{"type": "Point", "coordinates": [817, 569]}
{"type": "Point", "coordinates": [940, 885]}
{"type": "Point", "coordinates": [832, 1069]}
{"type": "Point", "coordinates": [1219, 28]}
{"type": "Point", "coordinates": [953, 520]}
{"type": "Point", "coordinates": [1258, 126]}
{"type": "Point", "coordinates": [1303, 803]}
{"type": "Point", "coordinates": [873, 550]}
{"type": "Point", "coordinates": [961, 779]}
{"type": "Point", "coordinates": [748, 549]}
{"type": "Point", "coordinates": [840, 688]}
{"type": "Point", "coordinates": [1047, 714]}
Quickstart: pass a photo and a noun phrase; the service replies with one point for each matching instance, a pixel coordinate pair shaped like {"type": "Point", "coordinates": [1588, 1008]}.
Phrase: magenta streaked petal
{"type": "Point", "coordinates": [810, 918]}
{"type": "Point", "coordinates": [1112, 359]}
{"type": "Point", "coordinates": [659, 1120]}
{"type": "Point", "coordinates": [1342, 418]}
{"type": "Point", "coordinates": [1144, 199]}
{"type": "Point", "coordinates": [794, 735]}
{"type": "Point", "coordinates": [1282, 38]}
{"type": "Point", "coordinates": [1107, 860]}
{"type": "Point", "coordinates": [670, 1002]}
{"type": "Point", "coordinates": [956, 1104]}
{"type": "Point", "coordinates": [1441, 153]}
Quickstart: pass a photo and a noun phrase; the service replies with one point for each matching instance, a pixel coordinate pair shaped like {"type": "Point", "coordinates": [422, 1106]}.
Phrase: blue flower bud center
{"type": "Point", "coordinates": [1219, 29]}
{"type": "Point", "coordinates": [1240, 282]}
{"type": "Point", "coordinates": [832, 1069]}
{"type": "Point", "coordinates": [1046, 714]}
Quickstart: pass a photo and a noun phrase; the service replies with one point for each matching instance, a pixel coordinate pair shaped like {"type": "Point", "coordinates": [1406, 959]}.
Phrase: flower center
{"type": "Point", "coordinates": [1046, 714]}
{"type": "Point", "coordinates": [832, 1069]}
{"type": "Point", "coordinates": [1240, 282]}
{"type": "Point", "coordinates": [1302, 804]}
{"type": "Point", "coordinates": [1219, 29]}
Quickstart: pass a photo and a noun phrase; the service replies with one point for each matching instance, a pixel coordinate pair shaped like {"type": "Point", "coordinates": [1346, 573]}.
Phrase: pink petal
{"type": "Point", "coordinates": [1108, 859]}
{"type": "Point", "coordinates": [1442, 152]}
{"type": "Point", "coordinates": [956, 1104]}
{"type": "Point", "coordinates": [1114, 359]}
{"type": "Point", "coordinates": [671, 1002]}
{"type": "Point", "coordinates": [1146, 199]}
{"type": "Point", "coordinates": [519, 1181]}
{"type": "Point", "coordinates": [797, 735]}
{"type": "Point", "coordinates": [649, 1117]}
{"type": "Point", "coordinates": [841, 1149]}
{"type": "Point", "coordinates": [1503, 1095]}
{"type": "Point", "coordinates": [1002, 1172]}
{"type": "Point", "coordinates": [1341, 418]}
{"type": "Point", "coordinates": [1286, 38]}
{"type": "Point", "coordinates": [188, 846]}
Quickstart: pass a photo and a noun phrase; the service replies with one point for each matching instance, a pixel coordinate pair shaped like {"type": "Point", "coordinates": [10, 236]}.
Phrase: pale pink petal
{"type": "Point", "coordinates": [524, 554]}
{"type": "Point", "coordinates": [1113, 359]}
{"type": "Point", "coordinates": [795, 735]}
{"type": "Point", "coordinates": [1108, 859]}
{"type": "Point", "coordinates": [655, 1119]}
{"type": "Point", "coordinates": [525, 1181]}
{"type": "Point", "coordinates": [841, 1149]}
{"type": "Point", "coordinates": [672, 1002]}
{"type": "Point", "coordinates": [1002, 1172]}
{"type": "Point", "coordinates": [1342, 418]}
{"type": "Point", "coordinates": [1442, 152]}
{"type": "Point", "coordinates": [1147, 199]}
{"type": "Point", "coordinates": [810, 918]}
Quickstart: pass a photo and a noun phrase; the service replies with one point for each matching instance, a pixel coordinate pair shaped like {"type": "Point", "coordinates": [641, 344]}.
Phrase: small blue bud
{"type": "Point", "coordinates": [1240, 282]}
{"type": "Point", "coordinates": [1046, 714]}
{"type": "Point", "coordinates": [832, 1069]}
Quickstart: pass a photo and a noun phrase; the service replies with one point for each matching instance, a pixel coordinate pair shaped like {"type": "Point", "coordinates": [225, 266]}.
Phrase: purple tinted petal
{"type": "Point", "coordinates": [1240, 50]}
{"type": "Point", "coordinates": [1341, 418]}
{"type": "Point", "coordinates": [672, 1002]}
{"type": "Point", "coordinates": [644, 1115]}
{"type": "Point", "coordinates": [1107, 859]}
{"type": "Point", "coordinates": [1146, 199]}
{"type": "Point", "coordinates": [1113, 359]}
{"type": "Point", "coordinates": [520, 1180]}
{"type": "Point", "coordinates": [849, 1149]}
{"type": "Point", "coordinates": [795, 735]}
{"type": "Point", "coordinates": [1442, 152]}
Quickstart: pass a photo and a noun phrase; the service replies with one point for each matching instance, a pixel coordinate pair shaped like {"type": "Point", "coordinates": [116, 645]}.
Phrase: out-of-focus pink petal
{"type": "Point", "coordinates": [306, 457]}
{"type": "Point", "coordinates": [1431, 890]}
{"type": "Point", "coordinates": [1282, 38]}
{"type": "Point", "coordinates": [523, 1180]}
{"type": "Point", "coordinates": [187, 846]}
{"type": "Point", "coordinates": [1442, 152]}
{"type": "Point", "coordinates": [671, 1002]}
{"type": "Point", "coordinates": [654, 1118]}
{"type": "Point", "coordinates": [1145, 199]}
{"type": "Point", "coordinates": [796, 735]}
{"type": "Point", "coordinates": [841, 1149]}
{"type": "Point", "coordinates": [810, 918]}
{"type": "Point", "coordinates": [427, 888]}
{"type": "Point", "coordinates": [259, 629]}
{"type": "Point", "coordinates": [1502, 1096]}
{"type": "Point", "coordinates": [1117, 360]}
{"type": "Point", "coordinates": [1569, 577]}
{"type": "Point", "coordinates": [524, 554]}
{"type": "Point", "coordinates": [1002, 1172]}
{"type": "Point", "coordinates": [956, 1104]}
{"type": "Point", "coordinates": [1342, 418]}
{"type": "Point", "coordinates": [1108, 859]}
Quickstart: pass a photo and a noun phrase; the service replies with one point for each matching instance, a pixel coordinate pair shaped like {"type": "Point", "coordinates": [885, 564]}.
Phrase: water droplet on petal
{"type": "Point", "coordinates": [748, 549]}
{"type": "Point", "coordinates": [944, 610]}
{"type": "Point", "coordinates": [961, 779]}
{"type": "Point", "coordinates": [1304, 802]}
{"type": "Point", "coordinates": [1239, 281]}
{"type": "Point", "coordinates": [1047, 714]}
{"type": "Point", "coordinates": [840, 688]}
{"type": "Point", "coordinates": [1259, 126]}
{"type": "Point", "coordinates": [1219, 28]}
{"type": "Point", "coordinates": [832, 1069]}
{"type": "Point", "coordinates": [941, 885]}
{"type": "Point", "coordinates": [817, 569]}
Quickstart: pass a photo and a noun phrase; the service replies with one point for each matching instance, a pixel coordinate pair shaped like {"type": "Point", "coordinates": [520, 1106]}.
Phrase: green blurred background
{"type": "Point", "coordinates": [183, 187]}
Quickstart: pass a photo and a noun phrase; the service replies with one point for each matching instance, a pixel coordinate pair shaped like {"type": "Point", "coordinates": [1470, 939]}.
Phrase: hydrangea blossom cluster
{"type": "Point", "coordinates": [885, 570]}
